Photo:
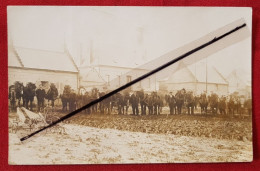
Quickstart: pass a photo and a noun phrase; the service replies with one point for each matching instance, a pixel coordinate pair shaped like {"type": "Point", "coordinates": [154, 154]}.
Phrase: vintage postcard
{"type": "Point", "coordinates": [188, 97]}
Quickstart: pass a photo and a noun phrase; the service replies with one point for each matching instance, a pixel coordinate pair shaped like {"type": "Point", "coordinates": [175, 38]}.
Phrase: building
{"type": "Point", "coordinates": [239, 82]}
{"type": "Point", "coordinates": [42, 67]}
{"type": "Point", "coordinates": [198, 78]}
{"type": "Point", "coordinates": [109, 77]}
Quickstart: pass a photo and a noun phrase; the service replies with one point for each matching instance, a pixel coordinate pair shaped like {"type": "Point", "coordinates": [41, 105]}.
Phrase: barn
{"type": "Point", "coordinates": [197, 78]}
{"type": "Point", "coordinates": [239, 82]}
{"type": "Point", "coordinates": [109, 77]}
{"type": "Point", "coordinates": [41, 67]}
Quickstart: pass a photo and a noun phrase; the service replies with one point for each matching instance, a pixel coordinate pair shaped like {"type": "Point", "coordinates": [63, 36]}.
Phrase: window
{"type": "Point", "coordinates": [140, 84]}
{"type": "Point", "coordinates": [119, 83]}
{"type": "Point", "coordinates": [128, 78]}
{"type": "Point", "coordinates": [108, 79]}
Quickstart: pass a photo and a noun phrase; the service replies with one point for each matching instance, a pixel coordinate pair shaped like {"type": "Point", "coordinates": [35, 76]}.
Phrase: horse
{"type": "Point", "coordinates": [231, 106]}
{"type": "Point", "coordinates": [142, 99]}
{"type": "Point", "coordinates": [158, 103]}
{"type": "Point", "coordinates": [248, 106]}
{"type": "Point", "coordinates": [52, 94]}
{"type": "Point", "coordinates": [65, 97]}
{"type": "Point", "coordinates": [106, 104]}
{"type": "Point", "coordinates": [213, 103]}
{"type": "Point", "coordinates": [125, 102]}
{"type": "Point", "coordinates": [180, 97]}
{"type": "Point", "coordinates": [203, 101]}
{"type": "Point", "coordinates": [238, 106]}
{"type": "Point", "coordinates": [119, 102]}
{"type": "Point", "coordinates": [72, 100]}
{"type": "Point", "coordinates": [12, 97]}
{"type": "Point", "coordinates": [190, 102]}
{"type": "Point", "coordinates": [86, 100]}
{"type": "Point", "coordinates": [113, 102]}
{"type": "Point", "coordinates": [28, 94]}
{"type": "Point", "coordinates": [18, 88]}
{"type": "Point", "coordinates": [171, 101]}
{"type": "Point", "coordinates": [222, 105]}
{"type": "Point", "coordinates": [102, 103]}
{"type": "Point", "coordinates": [93, 96]}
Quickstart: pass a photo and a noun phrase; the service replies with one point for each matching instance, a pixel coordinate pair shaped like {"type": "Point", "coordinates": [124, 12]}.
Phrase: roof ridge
{"type": "Point", "coordinates": [22, 55]}
{"type": "Point", "coordinates": [39, 49]}
{"type": "Point", "coordinates": [192, 73]}
{"type": "Point", "coordinates": [17, 55]}
{"type": "Point", "coordinates": [220, 74]}
{"type": "Point", "coordinates": [92, 69]}
{"type": "Point", "coordinates": [71, 58]}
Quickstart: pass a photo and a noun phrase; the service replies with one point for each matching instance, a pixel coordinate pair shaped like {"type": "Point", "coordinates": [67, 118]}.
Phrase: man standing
{"type": "Point", "coordinates": [52, 94]}
{"type": "Point", "coordinates": [150, 103]}
{"type": "Point", "coordinates": [12, 97]}
{"type": "Point", "coordinates": [40, 95]}
{"type": "Point", "coordinates": [134, 102]}
{"type": "Point", "coordinates": [172, 104]}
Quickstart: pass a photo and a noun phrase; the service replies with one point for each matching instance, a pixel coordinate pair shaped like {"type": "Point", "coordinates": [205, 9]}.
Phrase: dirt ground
{"type": "Point", "coordinates": [88, 145]}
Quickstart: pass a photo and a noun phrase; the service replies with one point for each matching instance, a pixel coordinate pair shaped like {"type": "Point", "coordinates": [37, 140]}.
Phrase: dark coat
{"type": "Point", "coordinates": [40, 94]}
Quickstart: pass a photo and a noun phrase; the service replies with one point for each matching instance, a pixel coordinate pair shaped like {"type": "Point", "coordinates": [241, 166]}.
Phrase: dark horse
{"type": "Point", "coordinates": [231, 106]}
{"type": "Point", "coordinates": [103, 103]}
{"type": "Point", "coordinates": [213, 103]}
{"type": "Point", "coordinates": [125, 103]}
{"type": "Point", "coordinates": [222, 105]}
{"type": "Point", "coordinates": [18, 86]}
{"type": "Point", "coordinates": [190, 102]}
{"type": "Point", "coordinates": [171, 101]}
{"type": "Point", "coordinates": [203, 101]}
{"type": "Point", "coordinates": [11, 97]}
{"type": "Point", "coordinates": [248, 106]}
{"type": "Point", "coordinates": [52, 94]}
{"type": "Point", "coordinates": [28, 95]}
{"type": "Point", "coordinates": [65, 97]}
{"type": "Point", "coordinates": [142, 99]}
{"type": "Point", "coordinates": [93, 96]}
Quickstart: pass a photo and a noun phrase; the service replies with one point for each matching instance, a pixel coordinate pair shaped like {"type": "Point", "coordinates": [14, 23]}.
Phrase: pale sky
{"type": "Point", "coordinates": [127, 36]}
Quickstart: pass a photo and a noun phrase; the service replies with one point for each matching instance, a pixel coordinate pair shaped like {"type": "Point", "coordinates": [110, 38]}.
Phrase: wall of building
{"type": "Point", "coordinates": [118, 76]}
{"type": "Point", "coordinates": [59, 78]}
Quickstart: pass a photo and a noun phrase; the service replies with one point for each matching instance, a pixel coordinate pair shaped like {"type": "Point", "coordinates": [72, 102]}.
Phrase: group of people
{"type": "Point", "coordinates": [140, 102]}
{"type": "Point", "coordinates": [20, 95]}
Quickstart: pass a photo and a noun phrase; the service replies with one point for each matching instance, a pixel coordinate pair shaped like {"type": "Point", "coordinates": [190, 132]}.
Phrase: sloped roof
{"type": "Point", "coordinates": [92, 76]}
{"type": "Point", "coordinates": [197, 73]}
{"type": "Point", "coordinates": [41, 59]}
{"type": "Point", "coordinates": [13, 59]}
{"type": "Point", "coordinates": [212, 76]}
{"type": "Point", "coordinates": [238, 76]}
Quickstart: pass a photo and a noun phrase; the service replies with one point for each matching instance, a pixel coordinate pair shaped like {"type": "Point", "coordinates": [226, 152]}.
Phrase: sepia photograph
{"type": "Point", "coordinates": [117, 84]}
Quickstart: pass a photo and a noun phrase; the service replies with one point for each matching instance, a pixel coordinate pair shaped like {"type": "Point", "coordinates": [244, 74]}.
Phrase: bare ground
{"type": "Point", "coordinates": [87, 145]}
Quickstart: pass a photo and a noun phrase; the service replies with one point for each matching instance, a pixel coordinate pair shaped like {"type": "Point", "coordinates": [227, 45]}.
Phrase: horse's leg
{"type": "Point", "coordinates": [65, 106]}
{"type": "Point", "coordinates": [26, 104]}
{"type": "Point", "coordinates": [52, 102]}
{"type": "Point", "coordinates": [31, 104]}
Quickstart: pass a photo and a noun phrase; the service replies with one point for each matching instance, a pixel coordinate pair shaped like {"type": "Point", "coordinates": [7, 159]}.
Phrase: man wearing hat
{"type": "Point", "coordinates": [40, 95]}
{"type": "Point", "coordinates": [12, 97]}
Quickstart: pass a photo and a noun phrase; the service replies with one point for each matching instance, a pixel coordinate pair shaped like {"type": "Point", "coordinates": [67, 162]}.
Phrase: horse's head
{"type": "Point", "coordinates": [31, 86]}
{"type": "Point", "coordinates": [67, 89]}
{"type": "Point", "coordinates": [18, 86]}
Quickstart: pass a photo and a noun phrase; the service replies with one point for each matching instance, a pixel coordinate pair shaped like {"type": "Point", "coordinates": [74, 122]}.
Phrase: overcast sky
{"type": "Point", "coordinates": [126, 36]}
